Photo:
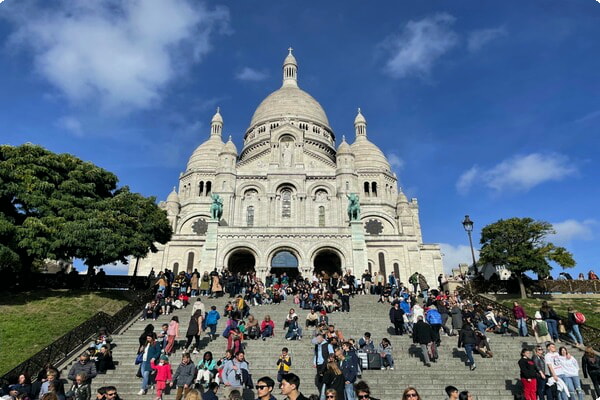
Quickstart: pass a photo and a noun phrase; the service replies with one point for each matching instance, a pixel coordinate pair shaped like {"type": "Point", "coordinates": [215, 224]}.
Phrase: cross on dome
{"type": "Point", "coordinates": [290, 69]}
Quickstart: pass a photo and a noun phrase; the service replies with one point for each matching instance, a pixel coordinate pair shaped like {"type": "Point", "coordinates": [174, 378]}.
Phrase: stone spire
{"type": "Point", "coordinates": [216, 124]}
{"type": "Point", "coordinates": [290, 70]}
{"type": "Point", "coordinates": [360, 125]}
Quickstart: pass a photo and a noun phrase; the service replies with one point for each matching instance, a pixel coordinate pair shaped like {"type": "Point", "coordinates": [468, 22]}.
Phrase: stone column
{"type": "Point", "coordinates": [359, 247]}
{"type": "Point", "coordinates": [208, 257]}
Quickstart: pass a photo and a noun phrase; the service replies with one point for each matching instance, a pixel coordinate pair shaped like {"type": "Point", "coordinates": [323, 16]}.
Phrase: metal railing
{"type": "Point", "coordinates": [534, 286]}
{"type": "Point", "coordinates": [591, 335]}
{"type": "Point", "coordinates": [64, 347]}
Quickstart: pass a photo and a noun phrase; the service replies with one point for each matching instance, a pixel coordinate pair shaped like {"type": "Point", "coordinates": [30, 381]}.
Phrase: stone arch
{"type": "Point", "coordinates": [285, 246]}
{"type": "Point", "coordinates": [289, 271]}
{"type": "Point", "coordinates": [230, 248]}
{"type": "Point", "coordinates": [282, 184]}
{"type": "Point", "coordinates": [390, 221]}
{"type": "Point", "coordinates": [241, 189]}
{"type": "Point", "coordinates": [313, 188]}
{"type": "Point", "coordinates": [328, 260]}
{"type": "Point", "coordinates": [189, 221]}
{"type": "Point", "coordinates": [241, 259]}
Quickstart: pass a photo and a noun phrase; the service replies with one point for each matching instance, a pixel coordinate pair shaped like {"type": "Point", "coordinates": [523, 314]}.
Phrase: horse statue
{"type": "Point", "coordinates": [216, 208]}
{"type": "Point", "coordinates": [353, 207]}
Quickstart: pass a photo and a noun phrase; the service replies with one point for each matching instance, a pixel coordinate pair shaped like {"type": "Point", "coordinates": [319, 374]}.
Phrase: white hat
{"type": "Point", "coordinates": [538, 315]}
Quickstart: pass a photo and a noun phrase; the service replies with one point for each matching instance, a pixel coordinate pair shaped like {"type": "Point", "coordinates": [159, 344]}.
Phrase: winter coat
{"type": "Point", "coordinates": [466, 336]}
{"type": "Point", "coordinates": [405, 306]}
{"type": "Point", "coordinates": [89, 368]}
{"type": "Point", "coordinates": [212, 317]}
{"type": "Point", "coordinates": [185, 374]}
{"type": "Point", "coordinates": [193, 327]}
{"type": "Point", "coordinates": [519, 312]}
{"type": "Point", "coordinates": [333, 381]}
{"type": "Point", "coordinates": [433, 317]}
{"type": "Point", "coordinates": [457, 318]}
{"type": "Point", "coordinates": [349, 366]}
{"type": "Point", "coordinates": [205, 282]}
{"type": "Point", "coordinates": [264, 324]}
{"type": "Point", "coordinates": [422, 333]}
{"type": "Point", "coordinates": [81, 392]}
{"type": "Point", "coordinates": [163, 372]}
{"type": "Point", "coordinates": [396, 315]}
{"type": "Point", "coordinates": [194, 281]}
{"type": "Point", "coordinates": [153, 353]}
{"type": "Point", "coordinates": [589, 366]}
{"type": "Point", "coordinates": [423, 283]}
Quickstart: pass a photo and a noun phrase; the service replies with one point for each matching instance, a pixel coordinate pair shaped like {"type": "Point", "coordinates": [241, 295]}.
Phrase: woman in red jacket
{"type": "Point", "coordinates": [267, 327]}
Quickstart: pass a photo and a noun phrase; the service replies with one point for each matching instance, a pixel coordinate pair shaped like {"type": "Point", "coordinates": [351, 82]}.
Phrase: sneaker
{"type": "Point", "coordinates": [391, 368]}
{"type": "Point", "coordinates": [196, 351]}
{"type": "Point", "coordinates": [428, 364]}
{"type": "Point", "coordinates": [141, 392]}
{"type": "Point", "coordinates": [382, 368]}
{"type": "Point", "coordinates": [473, 367]}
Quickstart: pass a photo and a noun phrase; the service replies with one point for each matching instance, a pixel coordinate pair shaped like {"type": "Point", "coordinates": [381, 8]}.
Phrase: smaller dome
{"type": "Point", "coordinates": [290, 59]}
{"type": "Point", "coordinates": [173, 196]}
{"type": "Point", "coordinates": [217, 117]}
{"type": "Point", "coordinates": [344, 148]}
{"type": "Point", "coordinates": [360, 119]}
{"type": "Point", "coordinates": [230, 147]}
{"type": "Point", "coordinates": [207, 154]}
{"type": "Point", "coordinates": [401, 198]}
{"type": "Point", "coordinates": [368, 156]}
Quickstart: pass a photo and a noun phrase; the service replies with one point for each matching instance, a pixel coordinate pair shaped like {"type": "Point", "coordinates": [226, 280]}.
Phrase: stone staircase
{"type": "Point", "coordinates": [494, 378]}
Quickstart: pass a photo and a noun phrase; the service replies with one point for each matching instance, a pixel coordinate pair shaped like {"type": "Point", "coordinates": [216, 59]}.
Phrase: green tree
{"type": "Point", "coordinates": [57, 206]}
{"type": "Point", "coordinates": [520, 245]}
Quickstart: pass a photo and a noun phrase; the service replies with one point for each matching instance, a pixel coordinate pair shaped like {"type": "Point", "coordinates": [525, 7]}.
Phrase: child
{"type": "Point", "coordinates": [172, 334]}
{"type": "Point", "coordinates": [283, 364]}
{"type": "Point", "coordinates": [211, 321]}
{"type": "Point", "coordinates": [161, 338]}
{"type": "Point", "coordinates": [184, 376]}
{"type": "Point", "coordinates": [163, 374]}
{"type": "Point", "coordinates": [81, 389]}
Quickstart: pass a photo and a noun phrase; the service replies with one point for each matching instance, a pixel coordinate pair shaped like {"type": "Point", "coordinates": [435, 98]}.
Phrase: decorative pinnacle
{"type": "Point", "coordinates": [290, 50]}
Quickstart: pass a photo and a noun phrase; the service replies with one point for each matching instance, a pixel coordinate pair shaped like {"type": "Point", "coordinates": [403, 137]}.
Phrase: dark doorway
{"type": "Point", "coordinates": [285, 261]}
{"type": "Point", "coordinates": [241, 261]}
{"type": "Point", "coordinates": [327, 262]}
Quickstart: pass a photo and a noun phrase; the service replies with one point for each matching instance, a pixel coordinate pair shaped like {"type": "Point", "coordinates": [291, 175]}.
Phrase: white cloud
{"type": "Point", "coordinates": [519, 173]}
{"type": "Point", "coordinates": [70, 124]}
{"type": "Point", "coordinates": [418, 47]}
{"type": "Point", "coordinates": [395, 161]}
{"type": "Point", "coordinates": [572, 229]}
{"type": "Point", "coordinates": [249, 74]}
{"type": "Point", "coordinates": [121, 53]}
{"type": "Point", "coordinates": [478, 39]}
{"type": "Point", "coordinates": [454, 255]}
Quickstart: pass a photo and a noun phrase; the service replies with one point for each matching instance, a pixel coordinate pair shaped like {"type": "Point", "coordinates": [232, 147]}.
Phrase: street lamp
{"type": "Point", "coordinates": [468, 225]}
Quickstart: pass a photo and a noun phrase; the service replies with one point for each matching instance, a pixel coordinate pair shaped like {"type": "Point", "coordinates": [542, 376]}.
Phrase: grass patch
{"type": "Point", "coordinates": [590, 307]}
{"type": "Point", "coordinates": [32, 320]}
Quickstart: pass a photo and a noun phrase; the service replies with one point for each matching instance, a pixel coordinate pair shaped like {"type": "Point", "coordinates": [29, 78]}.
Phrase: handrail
{"type": "Point", "coordinates": [62, 348]}
{"type": "Point", "coordinates": [591, 335]}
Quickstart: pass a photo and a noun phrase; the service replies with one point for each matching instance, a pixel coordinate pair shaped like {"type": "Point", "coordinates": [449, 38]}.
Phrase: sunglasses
{"type": "Point", "coordinates": [364, 396]}
{"type": "Point", "coordinates": [411, 395]}
{"type": "Point", "coordinates": [330, 396]}
{"type": "Point", "coordinates": [261, 387]}
{"type": "Point", "coordinates": [111, 394]}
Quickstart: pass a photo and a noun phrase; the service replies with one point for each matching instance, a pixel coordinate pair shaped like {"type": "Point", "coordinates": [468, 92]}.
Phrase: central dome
{"type": "Point", "coordinates": [290, 101]}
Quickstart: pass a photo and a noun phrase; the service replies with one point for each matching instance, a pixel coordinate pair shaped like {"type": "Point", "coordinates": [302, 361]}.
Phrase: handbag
{"type": "Point", "coordinates": [561, 327]}
{"type": "Point", "coordinates": [139, 358]}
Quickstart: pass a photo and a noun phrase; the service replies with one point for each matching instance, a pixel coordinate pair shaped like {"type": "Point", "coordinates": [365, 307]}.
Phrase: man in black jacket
{"type": "Point", "coordinates": [423, 335]}
{"type": "Point", "coordinates": [397, 318]}
{"type": "Point", "coordinates": [467, 339]}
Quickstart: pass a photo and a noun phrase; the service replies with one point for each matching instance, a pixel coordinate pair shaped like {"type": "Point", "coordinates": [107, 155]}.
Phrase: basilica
{"type": "Point", "coordinates": [285, 200]}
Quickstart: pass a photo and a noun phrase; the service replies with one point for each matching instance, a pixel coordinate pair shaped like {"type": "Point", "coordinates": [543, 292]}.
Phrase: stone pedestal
{"type": "Point", "coordinates": [359, 248]}
{"type": "Point", "coordinates": [208, 258]}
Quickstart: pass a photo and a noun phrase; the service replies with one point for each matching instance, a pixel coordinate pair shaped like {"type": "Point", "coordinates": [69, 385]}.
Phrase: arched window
{"type": "Point", "coordinates": [250, 216]}
{"type": "Point", "coordinates": [190, 263]}
{"type": "Point", "coordinates": [382, 264]}
{"type": "Point", "coordinates": [374, 188]}
{"type": "Point", "coordinates": [366, 188]}
{"type": "Point", "coordinates": [321, 216]}
{"type": "Point", "coordinates": [208, 187]}
{"type": "Point", "coordinates": [200, 188]}
{"type": "Point", "coordinates": [176, 268]}
{"type": "Point", "coordinates": [286, 203]}
{"type": "Point", "coordinates": [370, 268]}
{"type": "Point", "coordinates": [347, 186]}
{"type": "Point", "coordinates": [397, 270]}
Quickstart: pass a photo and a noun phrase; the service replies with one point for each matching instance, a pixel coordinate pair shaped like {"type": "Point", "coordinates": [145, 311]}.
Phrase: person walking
{"type": "Point", "coordinates": [423, 336]}
{"type": "Point", "coordinates": [573, 327]}
{"type": "Point", "coordinates": [151, 351]}
{"type": "Point", "coordinates": [184, 376]}
{"type": "Point", "coordinates": [397, 318]}
{"type": "Point", "coordinates": [193, 332]}
{"type": "Point", "coordinates": [322, 351]}
{"type": "Point", "coordinates": [551, 318]}
{"type": "Point", "coordinates": [468, 340]}
{"type": "Point", "coordinates": [521, 317]}
{"type": "Point", "coordinates": [590, 363]}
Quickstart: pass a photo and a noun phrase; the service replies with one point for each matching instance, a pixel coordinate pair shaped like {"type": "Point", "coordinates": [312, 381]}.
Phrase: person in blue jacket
{"type": "Point", "coordinates": [212, 318]}
{"type": "Point", "coordinates": [349, 365]}
{"type": "Point", "coordinates": [434, 318]}
{"type": "Point", "coordinates": [151, 351]}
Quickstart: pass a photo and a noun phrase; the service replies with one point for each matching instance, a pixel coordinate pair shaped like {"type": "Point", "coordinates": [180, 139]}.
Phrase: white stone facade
{"type": "Point", "coordinates": [286, 191]}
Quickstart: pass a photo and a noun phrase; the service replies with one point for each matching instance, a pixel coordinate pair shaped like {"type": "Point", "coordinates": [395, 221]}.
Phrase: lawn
{"type": "Point", "coordinates": [31, 320]}
{"type": "Point", "coordinates": [590, 307]}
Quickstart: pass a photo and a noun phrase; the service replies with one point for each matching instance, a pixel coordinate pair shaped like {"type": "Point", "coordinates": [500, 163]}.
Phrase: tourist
{"type": "Point", "coordinates": [264, 388]}
{"type": "Point", "coordinates": [267, 327]}
{"type": "Point", "coordinates": [207, 369]}
{"type": "Point", "coordinates": [289, 317]}
{"type": "Point", "coordinates": [199, 305]}
{"type": "Point", "coordinates": [233, 375]}
{"type": "Point", "coordinates": [573, 327]}
{"type": "Point", "coordinates": [451, 392]}
{"type": "Point", "coordinates": [570, 373]}
{"type": "Point", "coordinates": [333, 378]}
{"type": "Point", "coordinates": [345, 291]}
{"type": "Point", "coordinates": [22, 388]}
{"type": "Point", "coordinates": [294, 331]}
{"type": "Point", "coordinates": [465, 395]}
{"type": "Point", "coordinates": [554, 369]}
{"type": "Point", "coordinates": [468, 340]}
{"type": "Point", "coordinates": [204, 284]}
{"type": "Point", "coordinates": [423, 336]}
{"type": "Point", "coordinates": [529, 374]}
{"type": "Point", "coordinates": [162, 336]}
{"type": "Point", "coordinates": [367, 280]}
{"type": "Point", "coordinates": [83, 365]}
{"type": "Point", "coordinates": [521, 317]}
{"type": "Point", "coordinates": [590, 363]}
{"type": "Point", "coordinates": [434, 318]}
{"type": "Point", "coordinates": [151, 351]}
{"type": "Point", "coordinates": [228, 356]}
{"type": "Point", "coordinates": [184, 376]}
{"type": "Point", "coordinates": [212, 318]}
{"type": "Point", "coordinates": [592, 276]}
{"type": "Point", "coordinates": [457, 317]}
{"type": "Point", "coordinates": [349, 364]}
{"type": "Point", "coordinates": [322, 351]}
{"type": "Point", "coordinates": [81, 389]}
{"type": "Point", "coordinates": [51, 378]}
{"type": "Point", "coordinates": [331, 394]}
{"type": "Point", "coordinates": [538, 359]}
{"type": "Point", "coordinates": [252, 328]}
{"type": "Point", "coordinates": [210, 393]}
{"type": "Point", "coordinates": [193, 332]}
{"type": "Point", "coordinates": [290, 387]}
{"type": "Point", "coordinates": [365, 343]}
{"type": "Point", "coordinates": [423, 285]}
{"type": "Point", "coordinates": [410, 393]}
{"type": "Point", "coordinates": [104, 360]}
{"type": "Point", "coordinates": [164, 375]}
{"type": "Point", "coordinates": [312, 319]}
{"type": "Point", "coordinates": [284, 364]}
{"type": "Point", "coordinates": [363, 391]}
{"type": "Point", "coordinates": [385, 351]}
{"type": "Point", "coordinates": [397, 318]}
{"type": "Point", "coordinates": [540, 329]}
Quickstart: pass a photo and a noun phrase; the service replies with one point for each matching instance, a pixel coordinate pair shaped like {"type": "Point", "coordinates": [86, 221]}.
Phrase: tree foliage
{"type": "Point", "coordinates": [520, 245]}
{"type": "Point", "coordinates": [56, 206]}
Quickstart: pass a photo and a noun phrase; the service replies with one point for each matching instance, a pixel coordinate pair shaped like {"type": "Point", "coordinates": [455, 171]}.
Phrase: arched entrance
{"type": "Point", "coordinates": [285, 261]}
{"type": "Point", "coordinates": [327, 262]}
{"type": "Point", "coordinates": [241, 260]}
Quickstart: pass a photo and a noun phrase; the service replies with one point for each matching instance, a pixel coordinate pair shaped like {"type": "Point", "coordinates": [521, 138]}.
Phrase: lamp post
{"type": "Point", "coordinates": [468, 225]}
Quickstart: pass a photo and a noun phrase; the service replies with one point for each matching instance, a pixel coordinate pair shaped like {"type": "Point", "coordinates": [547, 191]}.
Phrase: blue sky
{"type": "Point", "coordinates": [487, 109]}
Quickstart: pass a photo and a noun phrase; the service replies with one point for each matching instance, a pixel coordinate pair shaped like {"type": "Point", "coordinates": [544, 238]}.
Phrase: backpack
{"type": "Point", "coordinates": [579, 318]}
{"type": "Point", "coordinates": [542, 328]}
{"type": "Point", "coordinates": [412, 280]}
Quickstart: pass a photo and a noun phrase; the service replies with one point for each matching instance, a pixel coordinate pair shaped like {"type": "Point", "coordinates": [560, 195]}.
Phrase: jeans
{"type": "Point", "coordinates": [349, 391]}
{"type": "Point", "coordinates": [522, 325]}
{"type": "Point", "coordinates": [574, 385]}
{"type": "Point", "coordinates": [562, 395]}
{"type": "Point", "coordinates": [145, 379]}
{"type": "Point", "coordinates": [575, 334]}
{"type": "Point", "coordinates": [213, 329]}
{"type": "Point", "coordinates": [552, 328]}
{"type": "Point", "coordinates": [387, 360]}
{"type": "Point", "coordinates": [469, 350]}
{"type": "Point", "coordinates": [268, 332]}
{"type": "Point", "coordinates": [541, 387]}
{"type": "Point", "coordinates": [425, 354]}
